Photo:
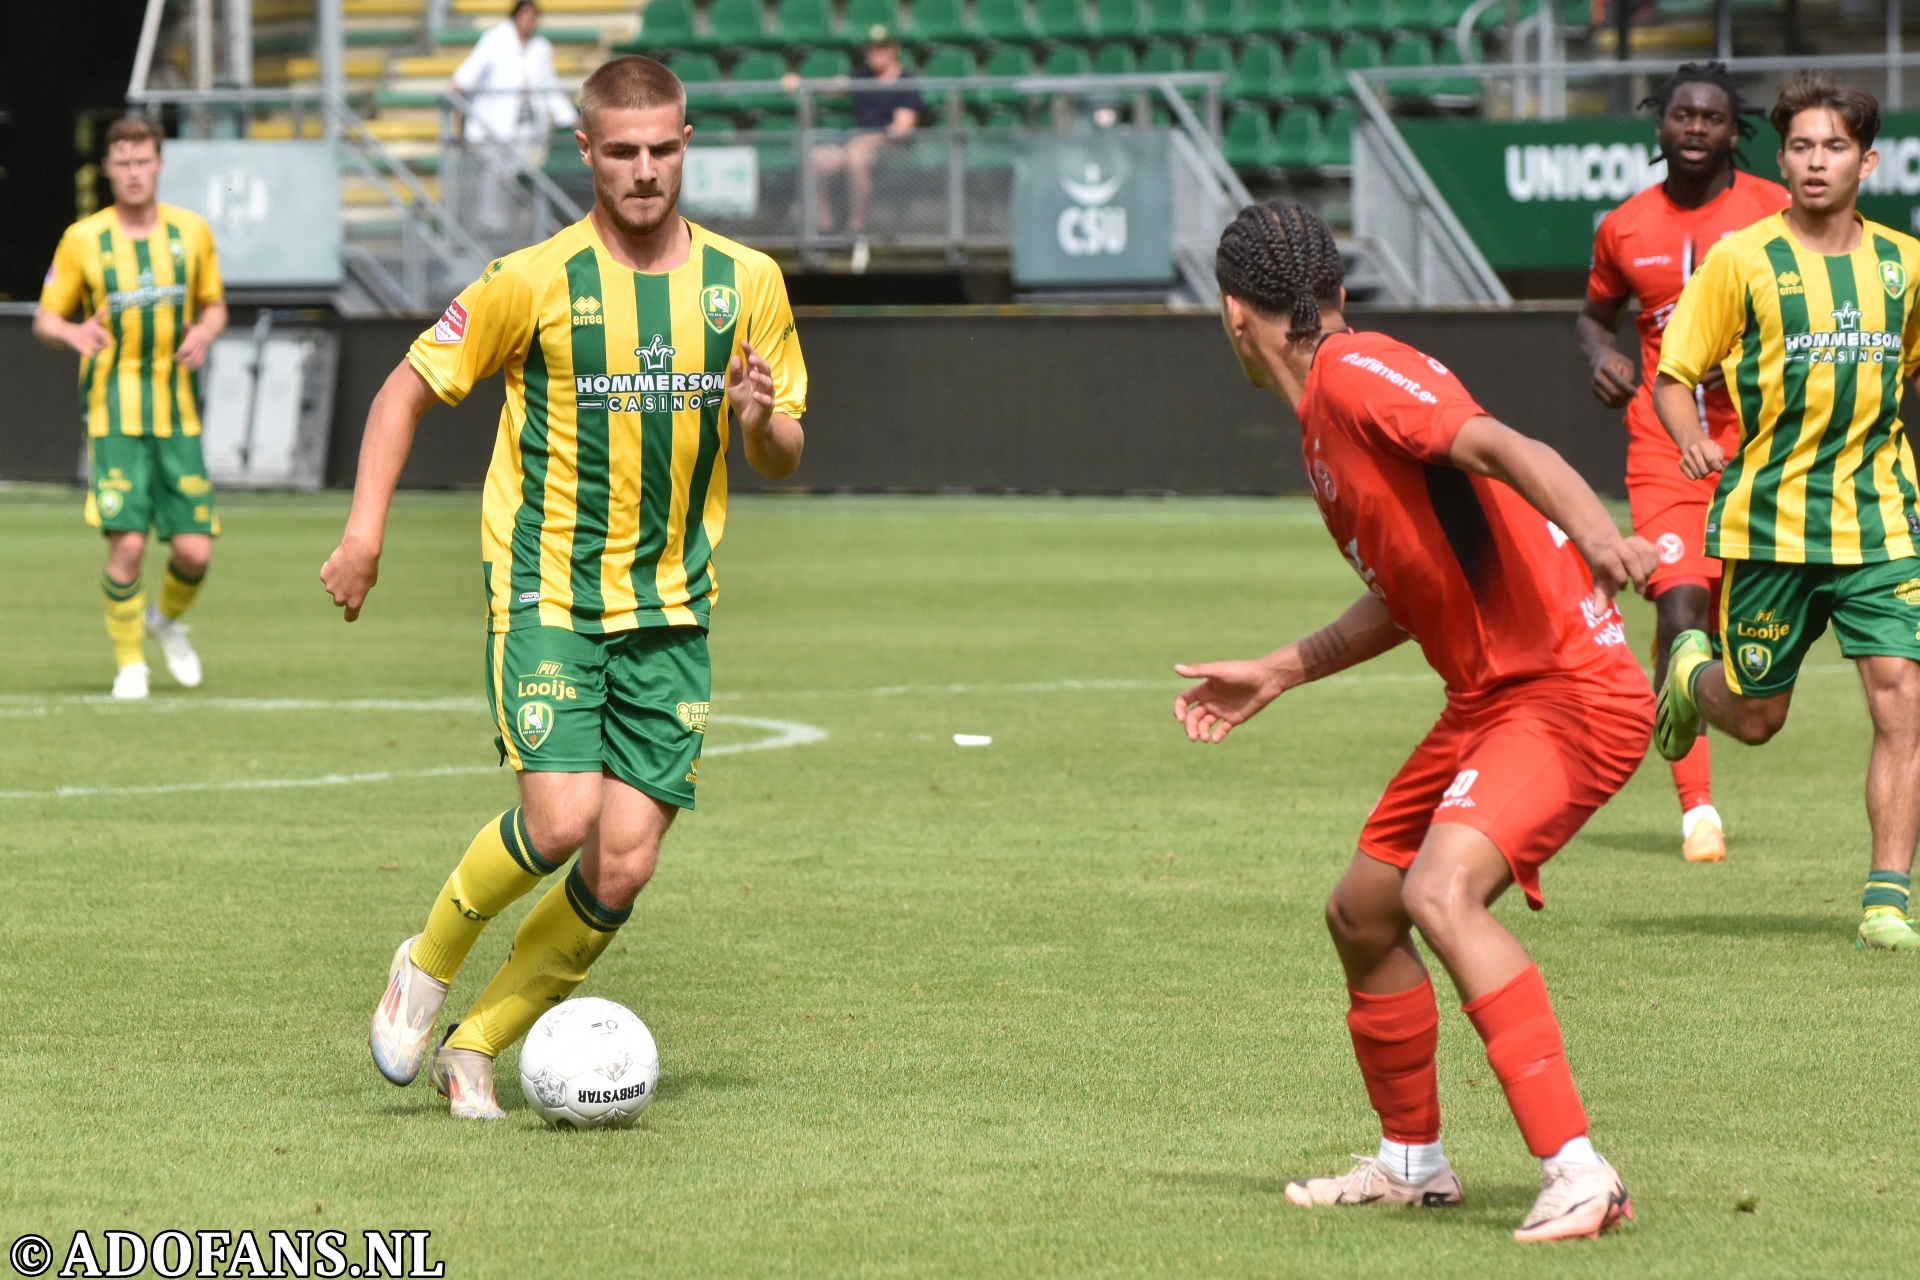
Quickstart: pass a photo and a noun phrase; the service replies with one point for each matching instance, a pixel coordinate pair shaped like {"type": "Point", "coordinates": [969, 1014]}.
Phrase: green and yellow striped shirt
{"type": "Point", "coordinates": [608, 489]}
{"type": "Point", "coordinates": [1815, 349]}
{"type": "Point", "coordinates": [147, 293]}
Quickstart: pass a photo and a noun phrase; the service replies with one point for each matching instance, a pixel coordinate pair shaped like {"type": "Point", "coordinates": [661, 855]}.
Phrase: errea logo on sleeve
{"type": "Point", "coordinates": [451, 329]}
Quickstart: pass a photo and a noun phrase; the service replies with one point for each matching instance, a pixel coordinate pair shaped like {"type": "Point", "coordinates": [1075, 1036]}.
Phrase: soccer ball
{"type": "Point", "coordinates": [589, 1064]}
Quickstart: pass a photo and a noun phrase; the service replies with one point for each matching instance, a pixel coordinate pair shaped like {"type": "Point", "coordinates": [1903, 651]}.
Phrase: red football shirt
{"type": "Point", "coordinates": [1647, 248]}
{"type": "Point", "coordinates": [1488, 587]}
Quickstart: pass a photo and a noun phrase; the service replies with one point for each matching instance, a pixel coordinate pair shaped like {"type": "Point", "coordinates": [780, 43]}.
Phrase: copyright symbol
{"type": "Point", "coordinates": [31, 1255]}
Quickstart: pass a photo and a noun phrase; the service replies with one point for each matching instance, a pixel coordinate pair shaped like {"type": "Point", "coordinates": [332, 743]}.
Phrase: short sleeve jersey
{"type": "Point", "coordinates": [147, 293]}
{"type": "Point", "coordinates": [1646, 249]}
{"type": "Point", "coordinates": [1488, 587]}
{"type": "Point", "coordinates": [1815, 350]}
{"type": "Point", "coordinates": [607, 493]}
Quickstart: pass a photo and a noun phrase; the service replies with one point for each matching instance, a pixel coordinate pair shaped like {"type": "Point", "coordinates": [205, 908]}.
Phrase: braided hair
{"type": "Point", "coordinates": [1279, 258]}
{"type": "Point", "coordinates": [1717, 75]}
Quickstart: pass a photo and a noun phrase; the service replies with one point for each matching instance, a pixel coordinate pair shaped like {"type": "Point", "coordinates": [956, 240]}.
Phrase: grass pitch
{"type": "Point", "coordinates": [1058, 1006]}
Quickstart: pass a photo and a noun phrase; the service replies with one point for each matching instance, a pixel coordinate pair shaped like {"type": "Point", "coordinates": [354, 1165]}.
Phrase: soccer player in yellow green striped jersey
{"type": "Point", "coordinates": [1813, 315]}
{"type": "Point", "coordinates": [634, 343]}
{"type": "Point", "coordinates": [145, 280]}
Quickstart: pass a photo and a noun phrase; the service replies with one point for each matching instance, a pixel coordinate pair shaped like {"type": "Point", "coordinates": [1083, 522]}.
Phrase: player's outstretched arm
{"type": "Point", "coordinates": [1231, 693]}
{"type": "Point", "coordinates": [1673, 401]}
{"type": "Point", "coordinates": [772, 441]}
{"type": "Point", "coordinates": [353, 568]}
{"type": "Point", "coordinates": [1485, 447]}
{"type": "Point", "coordinates": [1613, 380]}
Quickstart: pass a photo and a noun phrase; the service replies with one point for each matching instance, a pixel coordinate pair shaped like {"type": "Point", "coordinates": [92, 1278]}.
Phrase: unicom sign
{"type": "Point", "coordinates": [1590, 172]}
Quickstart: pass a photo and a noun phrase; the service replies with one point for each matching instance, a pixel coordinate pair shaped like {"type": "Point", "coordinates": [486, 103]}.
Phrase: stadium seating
{"type": "Point", "coordinates": [1007, 60]}
{"type": "Point", "coordinates": [951, 62]}
{"type": "Point", "coordinates": [1267, 18]}
{"type": "Point", "coordinates": [1259, 72]}
{"type": "Point", "coordinates": [1367, 16]}
{"type": "Point", "coordinates": [1297, 139]}
{"type": "Point", "coordinates": [1210, 55]}
{"type": "Point", "coordinates": [764, 65]}
{"type": "Point", "coordinates": [1458, 90]}
{"type": "Point", "coordinates": [667, 24]}
{"type": "Point", "coordinates": [1320, 17]}
{"type": "Point", "coordinates": [1358, 53]}
{"type": "Point", "coordinates": [1247, 139]}
{"type": "Point", "coordinates": [1218, 18]}
{"type": "Point", "coordinates": [694, 68]}
{"type": "Point", "coordinates": [1171, 19]}
{"type": "Point", "coordinates": [1115, 60]}
{"type": "Point", "coordinates": [1312, 75]}
{"type": "Point", "coordinates": [735, 23]}
{"type": "Point", "coordinates": [1118, 20]}
{"type": "Point", "coordinates": [1005, 21]}
{"type": "Point", "coordinates": [941, 22]}
{"type": "Point", "coordinates": [862, 16]}
{"type": "Point", "coordinates": [1413, 15]}
{"type": "Point", "coordinates": [1066, 60]}
{"type": "Point", "coordinates": [803, 24]}
{"type": "Point", "coordinates": [1062, 20]}
{"type": "Point", "coordinates": [1336, 139]}
{"type": "Point", "coordinates": [1410, 51]}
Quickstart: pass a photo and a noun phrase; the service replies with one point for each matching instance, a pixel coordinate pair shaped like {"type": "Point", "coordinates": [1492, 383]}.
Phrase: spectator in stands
{"type": "Point", "coordinates": [517, 104]}
{"type": "Point", "coordinates": [879, 117]}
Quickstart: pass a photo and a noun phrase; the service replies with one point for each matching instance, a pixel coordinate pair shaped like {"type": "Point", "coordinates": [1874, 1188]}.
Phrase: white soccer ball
{"type": "Point", "coordinates": [589, 1064]}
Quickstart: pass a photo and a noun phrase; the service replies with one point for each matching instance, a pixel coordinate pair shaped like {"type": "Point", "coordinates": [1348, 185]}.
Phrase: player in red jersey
{"type": "Point", "coordinates": [1492, 553]}
{"type": "Point", "coordinates": [1646, 249]}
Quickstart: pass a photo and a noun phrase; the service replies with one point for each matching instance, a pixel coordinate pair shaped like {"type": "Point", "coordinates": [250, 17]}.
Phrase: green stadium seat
{"type": "Point", "coordinates": [1258, 74]}
{"type": "Point", "coordinates": [1171, 19]}
{"type": "Point", "coordinates": [1005, 21]}
{"type": "Point", "coordinates": [1321, 17]}
{"type": "Point", "coordinates": [951, 62]}
{"type": "Point", "coordinates": [1247, 140]}
{"type": "Point", "coordinates": [1267, 18]}
{"type": "Point", "coordinates": [1410, 51]}
{"type": "Point", "coordinates": [1459, 89]}
{"type": "Point", "coordinates": [1062, 20]}
{"type": "Point", "coordinates": [941, 22]}
{"type": "Point", "coordinates": [1336, 136]}
{"type": "Point", "coordinates": [1297, 139]}
{"type": "Point", "coordinates": [1209, 55]}
{"type": "Point", "coordinates": [1359, 53]}
{"type": "Point", "coordinates": [1414, 15]}
{"type": "Point", "coordinates": [1312, 74]}
{"type": "Point", "coordinates": [824, 64]}
{"type": "Point", "coordinates": [694, 68]}
{"type": "Point", "coordinates": [1007, 60]}
{"type": "Point", "coordinates": [1367, 16]}
{"type": "Point", "coordinates": [667, 24]}
{"type": "Point", "coordinates": [764, 65]}
{"type": "Point", "coordinates": [1450, 12]}
{"type": "Point", "coordinates": [1115, 60]}
{"type": "Point", "coordinates": [1067, 60]}
{"type": "Point", "coordinates": [1163, 57]}
{"type": "Point", "coordinates": [803, 24]}
{"type": "Point", "coordinates": [1218, 18]}
{"type": "Point", "coordinates": [734, 24]}
{"type": "Point", "coordinates": [862, 16]}
{"type": "Point", "coordinates": [1004, 117]}
{"type": "Point", "coordinates": [1118, 20]}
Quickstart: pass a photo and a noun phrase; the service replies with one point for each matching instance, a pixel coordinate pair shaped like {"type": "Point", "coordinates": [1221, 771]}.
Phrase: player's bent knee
{"type": "Point", "coordinates": [556, 836]}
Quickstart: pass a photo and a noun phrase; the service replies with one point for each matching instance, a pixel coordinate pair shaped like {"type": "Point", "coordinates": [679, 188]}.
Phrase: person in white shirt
{"type": "Point", "coordinates": [516, 102]}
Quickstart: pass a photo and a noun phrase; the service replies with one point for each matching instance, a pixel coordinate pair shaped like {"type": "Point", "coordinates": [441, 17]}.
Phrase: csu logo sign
{"type": "Point", "coordinates": [1092, 224]}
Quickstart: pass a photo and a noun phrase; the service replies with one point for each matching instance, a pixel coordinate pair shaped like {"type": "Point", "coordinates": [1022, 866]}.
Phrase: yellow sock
{"type": "Point", "coordinates": [498, 868]}
{"type": "Point", "coordinates": [125, 605]}
{"type": "Point", "coordinates": [558, 942]}
{"type": "Point", "coordinates": [177, 591]}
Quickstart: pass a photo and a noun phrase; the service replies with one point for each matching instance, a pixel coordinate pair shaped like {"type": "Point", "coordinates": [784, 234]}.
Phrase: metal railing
{"type": "Point", "coordinates": [417, 259]}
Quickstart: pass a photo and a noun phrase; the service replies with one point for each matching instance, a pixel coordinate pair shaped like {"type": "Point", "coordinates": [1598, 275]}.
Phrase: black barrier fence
{"type": "Point", "coordinates": [1028, 400]}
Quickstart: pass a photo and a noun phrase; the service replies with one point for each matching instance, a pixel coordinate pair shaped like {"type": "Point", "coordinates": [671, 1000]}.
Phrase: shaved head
{"type": "Point", "coordinates": [631, 83]}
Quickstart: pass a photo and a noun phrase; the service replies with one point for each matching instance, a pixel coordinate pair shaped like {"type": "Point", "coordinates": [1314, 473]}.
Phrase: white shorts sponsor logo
{"type": "Point", "coordinates": [1455, 796]}
{"type": "Point", "coordinates": [1670, 548]}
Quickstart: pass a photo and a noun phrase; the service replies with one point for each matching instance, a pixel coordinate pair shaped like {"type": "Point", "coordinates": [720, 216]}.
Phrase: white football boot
{"type": "Point", "coordinates": [403, 1024]}
{"type": "Point", "coordinates": [183, 664]}
{"type": "Point", "coordinates": [464, 1077]}
{"type": "Point", "coordinates": [1576, 1200]}
{"type": "Point", "coordinates": [131, 681]}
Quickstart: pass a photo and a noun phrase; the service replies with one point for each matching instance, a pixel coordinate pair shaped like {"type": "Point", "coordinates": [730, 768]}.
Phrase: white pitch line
{"type": "Point", "coordinates": [784, 733]}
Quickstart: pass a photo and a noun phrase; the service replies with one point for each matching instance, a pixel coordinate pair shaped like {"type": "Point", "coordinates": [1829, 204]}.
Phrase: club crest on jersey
{"type": "Point", "coordinates": [535, 723]}
{"type": "Point", "coordinates": [721, 306]}
{"type": "Point", "coordinates": [1755, 661]}
{"type": "Point", "coordinates": [1894, 277]}
{"type": "Point", "coordinates": [451, 329]}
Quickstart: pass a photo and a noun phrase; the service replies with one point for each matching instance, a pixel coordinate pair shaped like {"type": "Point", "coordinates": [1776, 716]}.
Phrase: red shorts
{"type": "Point", "coordinates": [1669, 510]}
{"type": "Point", "coordinates": [1526, 766]}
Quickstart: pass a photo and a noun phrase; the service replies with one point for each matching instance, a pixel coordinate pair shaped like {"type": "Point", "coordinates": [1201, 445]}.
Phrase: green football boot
{"type": "Point", "coordinates": [1676, 717]}
{"type": "Point", "coordinates": [1887, 929]}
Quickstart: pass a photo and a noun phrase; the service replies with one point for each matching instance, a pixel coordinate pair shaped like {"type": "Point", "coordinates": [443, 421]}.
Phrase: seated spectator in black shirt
{"type": "Point", "coordinates": [880, 117]}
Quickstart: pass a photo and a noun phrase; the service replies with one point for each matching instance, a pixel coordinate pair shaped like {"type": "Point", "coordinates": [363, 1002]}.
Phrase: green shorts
{"type": "Point", "coordinates": [149, 482]}
{"type": "Point", "coordinates": [633, 703]}
{"type": "Point", "coordinates": [1770, 615]}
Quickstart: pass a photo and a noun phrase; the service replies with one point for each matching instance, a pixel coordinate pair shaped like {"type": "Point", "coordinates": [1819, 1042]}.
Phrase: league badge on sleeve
{"type": "Point", "coordinates": [451, 329]}
{"type": "Point", "coordinates": [721, 306]}
{"type": "Point", "coordinates": [1894, 277]}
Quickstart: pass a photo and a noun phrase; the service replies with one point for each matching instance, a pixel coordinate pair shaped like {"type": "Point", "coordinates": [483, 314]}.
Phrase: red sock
{"type": "Point", "coordinates": [1693, 776]}
{"type": "Point", "coordinates": [1525, 1052]}
{"type": "Point", "coordinates": [1394, 1038]}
